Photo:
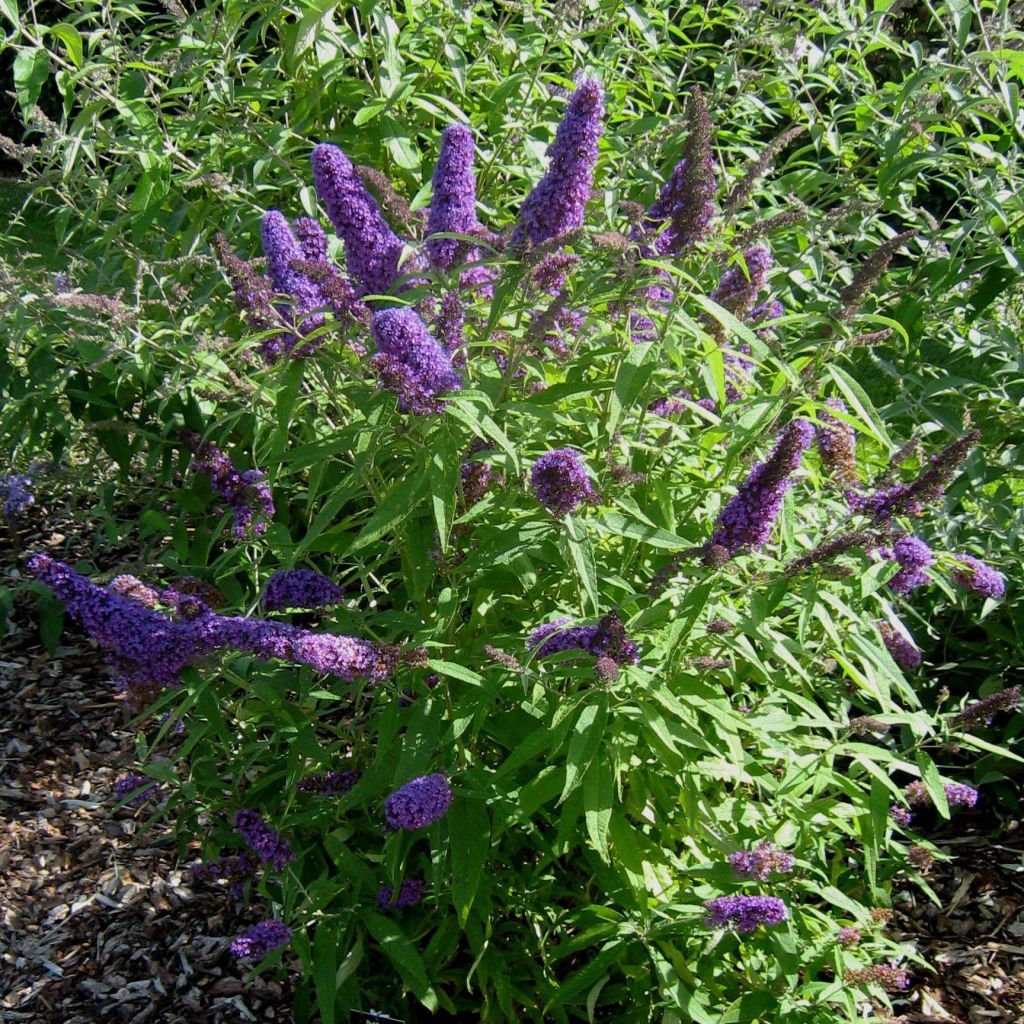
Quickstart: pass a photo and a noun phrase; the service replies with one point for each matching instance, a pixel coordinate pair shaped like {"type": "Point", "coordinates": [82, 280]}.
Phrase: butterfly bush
{"type": "Point", "coordinates": [617, 698]}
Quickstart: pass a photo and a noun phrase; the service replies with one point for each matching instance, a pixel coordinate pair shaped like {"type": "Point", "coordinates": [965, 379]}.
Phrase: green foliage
{"type": "Point", "coordinates": [592, 816]}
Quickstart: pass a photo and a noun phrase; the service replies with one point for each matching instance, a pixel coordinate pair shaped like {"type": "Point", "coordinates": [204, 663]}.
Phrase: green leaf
{"type": "Point", "coordinates": [861, 404]}
{"type": "Point", "coordinates": [325, 981]}
{"type": "Point", "coordinates": [9, 9]}
{"type": "Point", "coordinates": [450, 668]}
{"type": "Point", "coordinates": [31, 69]}
{"type": "Point", "coordinates": [401, 952]}
{"type": "Point", "coordinates": [598, 792]}
{"type": "Point", "coordinates": [933, 782]}
{"type": "Point", "coordinates": [623, 526]}
{"type": "Point", "coordinates": [469, 830]}
{"type": "Point", "coordinates": [585, 742]}
{"type": "Point", "coordinates": [70, 37]}
{"type": "Point", "coordinates": [582, 555]}
{"type": "Point", "coordinates": [399, 504]}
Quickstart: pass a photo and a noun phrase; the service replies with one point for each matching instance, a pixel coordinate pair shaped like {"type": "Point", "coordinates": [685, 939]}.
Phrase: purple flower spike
{"type": "Point", "coordinates": [745, 913]}
{"type": "Point", "coordinates": [16, 494]}
{"type": "Point", "coordinates": [900, 645]}
{"type": "Point", "coordinates": [418, 803]}
{"type": "Point", "coordinates": [264, 841]}
{"type": "Point", "coordinates": [135, 789]}
{"type": "Point", "coordinates": [299, 588]}
{"type": "Point", "coordinates": [605, 640]}
{"type": "Point", "coordinates": [453, 206]}
{"type": "Point", "coordinates": [557, 201]}
{"type": "Point", "coordinates": [974, 575]}
{"type": "Point", "coordinates": [372, 249]}
{"type": "Point", "coordinates": [258, 941]}
{"type": "Point", "coordinates": [560, 482]}
{"type": "Point", "coordinates": [410, 362]}
{"type": "Point", "coordinates": [837, 443]}
{"type": "Point", "coordinates": [913, 556]}
{"type": "Point", "coordinates": [736, 291]}
{"type": "Point", "coordinates": [760, 862]}
{"type": "Point", "coordinates": [748, 516]}
{"type": "Point", "coordinates": [410, 892]}
{"type": "Point", "coordinates": [686, 201]}
{"type": "Point", "coordinates": [281, 248]}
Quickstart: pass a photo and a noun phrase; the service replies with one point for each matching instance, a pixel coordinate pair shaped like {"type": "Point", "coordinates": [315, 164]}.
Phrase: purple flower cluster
{"type": "Point", "coordinates": [234, 868]}
{"type": "Point", "coordinates": [268, 845]}
{"type": "Point", "coordinates": [761, 861]}
{"type": "Point", "coordinates": [917, 795]}
{"type": "Point", "coordinates": [16, 494]}
{"type": "Point", "coordinates": [410, 892]}
{"type": "Point", "coordinates": [748, 517]}
{"type": "Point", "coordinates": [449, 328]}
{"type": "Point", "coordinates": [672, 405]}
{"type": "Point", "coordinates": [900, 645]}
{"type": "Point", "coordinates": [837, 443]}
{"type": "Point", "coordinates": [560, 482]}
{"type": "Point", "coordinates": [410, 362]}
{"type": "Point", "coordinates": [605, 640]}
{"type": "Point", "coordinates": [737, 290]}
{"type": "Point", "coordinates": [686, 201]}
{"type": "Point", "coordinates": [372, 249]}
{"type": "Point", "coordinates": [745, 913]}
{"type": "Point", "coordinates": [145, 645]}
{"type": "Point", "coordinates": [890, 976]}
{"type": "Point", "coordinates": [906, 499]}
{"type": "Point", "coordinates": [453, 204]}
{"type": "Point", "coordinates": [556, 204]}
{"type": "Point", "coordinates": [282, 249]}
{"type": "Point", "coordinates": [135, 789]}
{"type": "Point", "coordinates": [848, 937]}
{"type": "Point", "coordinates": [299, 588]}
{"type": "Point", "coordinates": [476, 478]}
{"type": "Point", "coordinates": [247, 494]}
{"type": "Point", "coordinates": [913, 557]}
{"type": "Point", "coordinates": [418, 803]}
{"type": "Point", "coordinates": [974, 575]}
{"type": "Point", "coordinates": [258, 941]}
{"type": "Point", "coordinates": [985, 709]}
{"type": "Point", "coordinates": [329, 783]}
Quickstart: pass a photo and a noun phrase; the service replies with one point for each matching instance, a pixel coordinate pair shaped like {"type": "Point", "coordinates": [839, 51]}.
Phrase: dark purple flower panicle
{"type": "Point", "coordinates": [986, 709]}
{"type": "Point", "coordinates": [448, 328]}
{"type": "Point", "coordinates": [917, 795]}
{"type": "Point", "coordinates": [761, 316]}
{"type": "Point", "coordinates": [745, 913]}
{"type": "Point", "coordinates": [299, 588]}
{"type": "Point", "coordinates": [254, 291]}
{"type": "Point", "coordinates": [477, 478]}
{"type": "Point", "coordinates": [761, 861]}
{"type": "Point", "coordinates": [560, 482]}
{"type": "Point", "coordinates": [607, 639]}
{"type": "Point", "coordinates": [671, 405]}
{"type": "Point", "coordinates": [342, 656]}
{"type": "Point", "coordinates": [329, 783]}
{"type": "Point", "coordinates": [891, 977]}
{"type": "Point", "coordinates": [738, 289]}
{"type": "Point", "coordinates": [372, 249]}
{"type": "Point", "coordinates": [900, 645]}
{"type": "Point", "coordinates": [837, 443]}
{"type": "Point", "coordinates": [976, 576]}
{"type": "Point", "coordinates": [848, 937]}
{"type": "Point", "coordinates": [258, 941]}
{"type": "Point", "coordinates": [686, 201]}
{"type": "Point", "coordinates": [913, 557]}
{"type": "Point", "coordinates": [146, 646]}
{"type": "Point", "coordinates": [16, 494]}
{"type": "Point", "coordinates": [234, 868]}
{"type": "Point", "coordinates": [282, 249]}
{"type": "Point", "coordinates": [907, 499]}
{"type": "Point", "coordinates": [264, 841]}
{"type": "Point", "coordinates": [453, 204]}
{"type": "Point", "coordinates": [748, 516]}
{"type": "Point", "coordinates": [312, 239]}
{"type": "Point", "coordinates": [135, 789]}
{"type": "Point", "coordinates": [901, 815]}
{"type": "Point", "coordinates": [410, 892]}
{"type": "Point", "coordinates": [418, 803]}
{"type": "Point", "coordinates": [557, 202]}
{"type": "Point", "coordinates": [410, 362]}
{"type": "Point", "coordinates": [246, 493]}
